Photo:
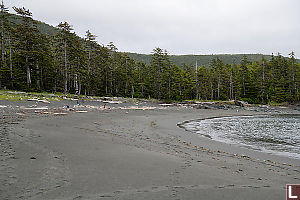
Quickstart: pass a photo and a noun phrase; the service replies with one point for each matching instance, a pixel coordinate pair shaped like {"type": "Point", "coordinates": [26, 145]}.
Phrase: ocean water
{"type": "Point", "coordinates": [277, 134]}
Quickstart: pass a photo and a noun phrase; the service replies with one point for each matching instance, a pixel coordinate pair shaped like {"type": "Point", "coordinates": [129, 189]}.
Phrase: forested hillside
{"type": "Point", "coordinates": [60, 61]}
{"type": "Point", "coordinates": [203, 60]}
{"type": "Point", "coordinates": [43, 27]}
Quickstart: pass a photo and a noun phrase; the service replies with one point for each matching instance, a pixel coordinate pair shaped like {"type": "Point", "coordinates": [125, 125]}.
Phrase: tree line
{"type": "Point", "coordinates": [64, 62]}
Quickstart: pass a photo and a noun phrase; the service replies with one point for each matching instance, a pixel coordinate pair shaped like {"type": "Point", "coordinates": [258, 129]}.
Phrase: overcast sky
{"type": "Point", "coordinates": [179, 26]}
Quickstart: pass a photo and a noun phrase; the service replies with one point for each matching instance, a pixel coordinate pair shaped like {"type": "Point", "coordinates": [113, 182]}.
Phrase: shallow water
{"type": "Point", "coordinates": [277, 134]}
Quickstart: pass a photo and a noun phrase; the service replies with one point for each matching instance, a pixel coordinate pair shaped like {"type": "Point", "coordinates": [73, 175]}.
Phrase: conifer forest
{"type": "Point", "coordinates": [61, 61]}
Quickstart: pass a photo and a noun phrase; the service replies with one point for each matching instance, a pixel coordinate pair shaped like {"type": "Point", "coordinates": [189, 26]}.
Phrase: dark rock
{"type": "Point", "coordinates": [241, 103]}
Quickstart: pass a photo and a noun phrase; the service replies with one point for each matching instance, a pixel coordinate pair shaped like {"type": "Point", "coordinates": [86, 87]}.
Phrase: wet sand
{"type": "Point", "coordinates": [132, 154]}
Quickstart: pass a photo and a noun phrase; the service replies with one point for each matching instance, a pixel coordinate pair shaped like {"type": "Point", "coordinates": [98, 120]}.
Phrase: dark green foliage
{"type": "Point", "coordinates": [28, 45]}
{"type": "Point", "coordinates": [43, 27]}
{"type": "Point", "coordinates": [204, 60]}
{"type": "Point", "coordinates": [38, 57]}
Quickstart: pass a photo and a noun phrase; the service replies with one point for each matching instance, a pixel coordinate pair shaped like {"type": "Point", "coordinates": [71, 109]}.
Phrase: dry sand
{"type": "Point", "coordinates": [132, 154]}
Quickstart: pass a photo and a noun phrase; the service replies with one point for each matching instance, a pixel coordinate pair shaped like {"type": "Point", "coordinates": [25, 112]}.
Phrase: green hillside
{"type": "Point", "coordinates": [206, 59]}
{"type": "Point", "coordinates": [202, 60]}
{"type": "Point", "coordinates": [43, 27]}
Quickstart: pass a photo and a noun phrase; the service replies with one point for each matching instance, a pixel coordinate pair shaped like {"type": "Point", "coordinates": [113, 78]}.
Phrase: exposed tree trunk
{"type": "Point", "coordinates": [218, 89]}
{"type": "Point", "coordinates": [11, 68]}
{"type": "Point", "coordinates": [197, 83]}
{"type": "Point", "coordinates": [69, 82]}
{"type": "Point", "coordinates": [55, 82]}
{"type": "Point", "coordinates": [28, 72]}
{"type": "Point", "coordinates": [263, 84]}
{"type": "Point", "coordinates": [89, 62]}
{"type": "Point", "coordinates": [212, 91]}
{"type": "Point", "coordinates": [244, 86]}
{"type": "Point", "coordinates": [169, 89]}
{"type": "Point", "coordinates": [111, 82]}
{"type": "Point", "coordinates": [126, 87]}
{"type": "Point", "coordinates": [2, 47]}
{"type": "Point", "coordinates": [142, 88]}
{"type": "Point", "coordinates": [231, 86]}
{"type": "Point", "coordinates": [295, 84]}
{"type": "Point", "coordinates": [106, 83]}
{"type": "Point", "coordinates": [66, 70]}
{"type": "Point", "coordinates": [2, 44]}
{"type": "Point", "coordinates": [10, 64]}
{"type": "Point", "coordinates": [132, 91]}
{"type": "Point", "coordinates": [76, 84]}
{"type": "Point", "coordinates": [117, 87]}
{"type": "Point", "coordinates": [180, 89]}
{"type": "Point", "coordinates": [41, 78]}
{"type": "Point", "coordinates": [38, 81]}
{"type": "Point", "coordinates": [79, 86]}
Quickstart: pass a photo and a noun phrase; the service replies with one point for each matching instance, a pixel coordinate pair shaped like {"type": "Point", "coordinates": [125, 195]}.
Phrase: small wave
{"type": "Point", "coordinates": [277, 134]}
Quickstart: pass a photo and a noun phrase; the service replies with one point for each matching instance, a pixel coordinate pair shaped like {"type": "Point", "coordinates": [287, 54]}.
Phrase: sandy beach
{"type": "Point", "coordinates": [132, 154]}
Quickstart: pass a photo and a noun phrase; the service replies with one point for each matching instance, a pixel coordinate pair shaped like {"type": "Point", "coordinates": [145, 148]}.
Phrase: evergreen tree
{"type": "Point", "coordinates": [244, 70]}
{"type": "Point", "coordinates": [65, 36]}
{"type": "Point", "coordinates": [160, 64]}
{"type": "Point", "coordinates": [292, 74]}
{"type": "Point", "coordinates": [4, 30]}
{"type": "Point", "coordinates": [27, 42]}
{"type": "Point", "coordinates": [91, 43]}
{"type": "Point", "coordinates": [204, 81]}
